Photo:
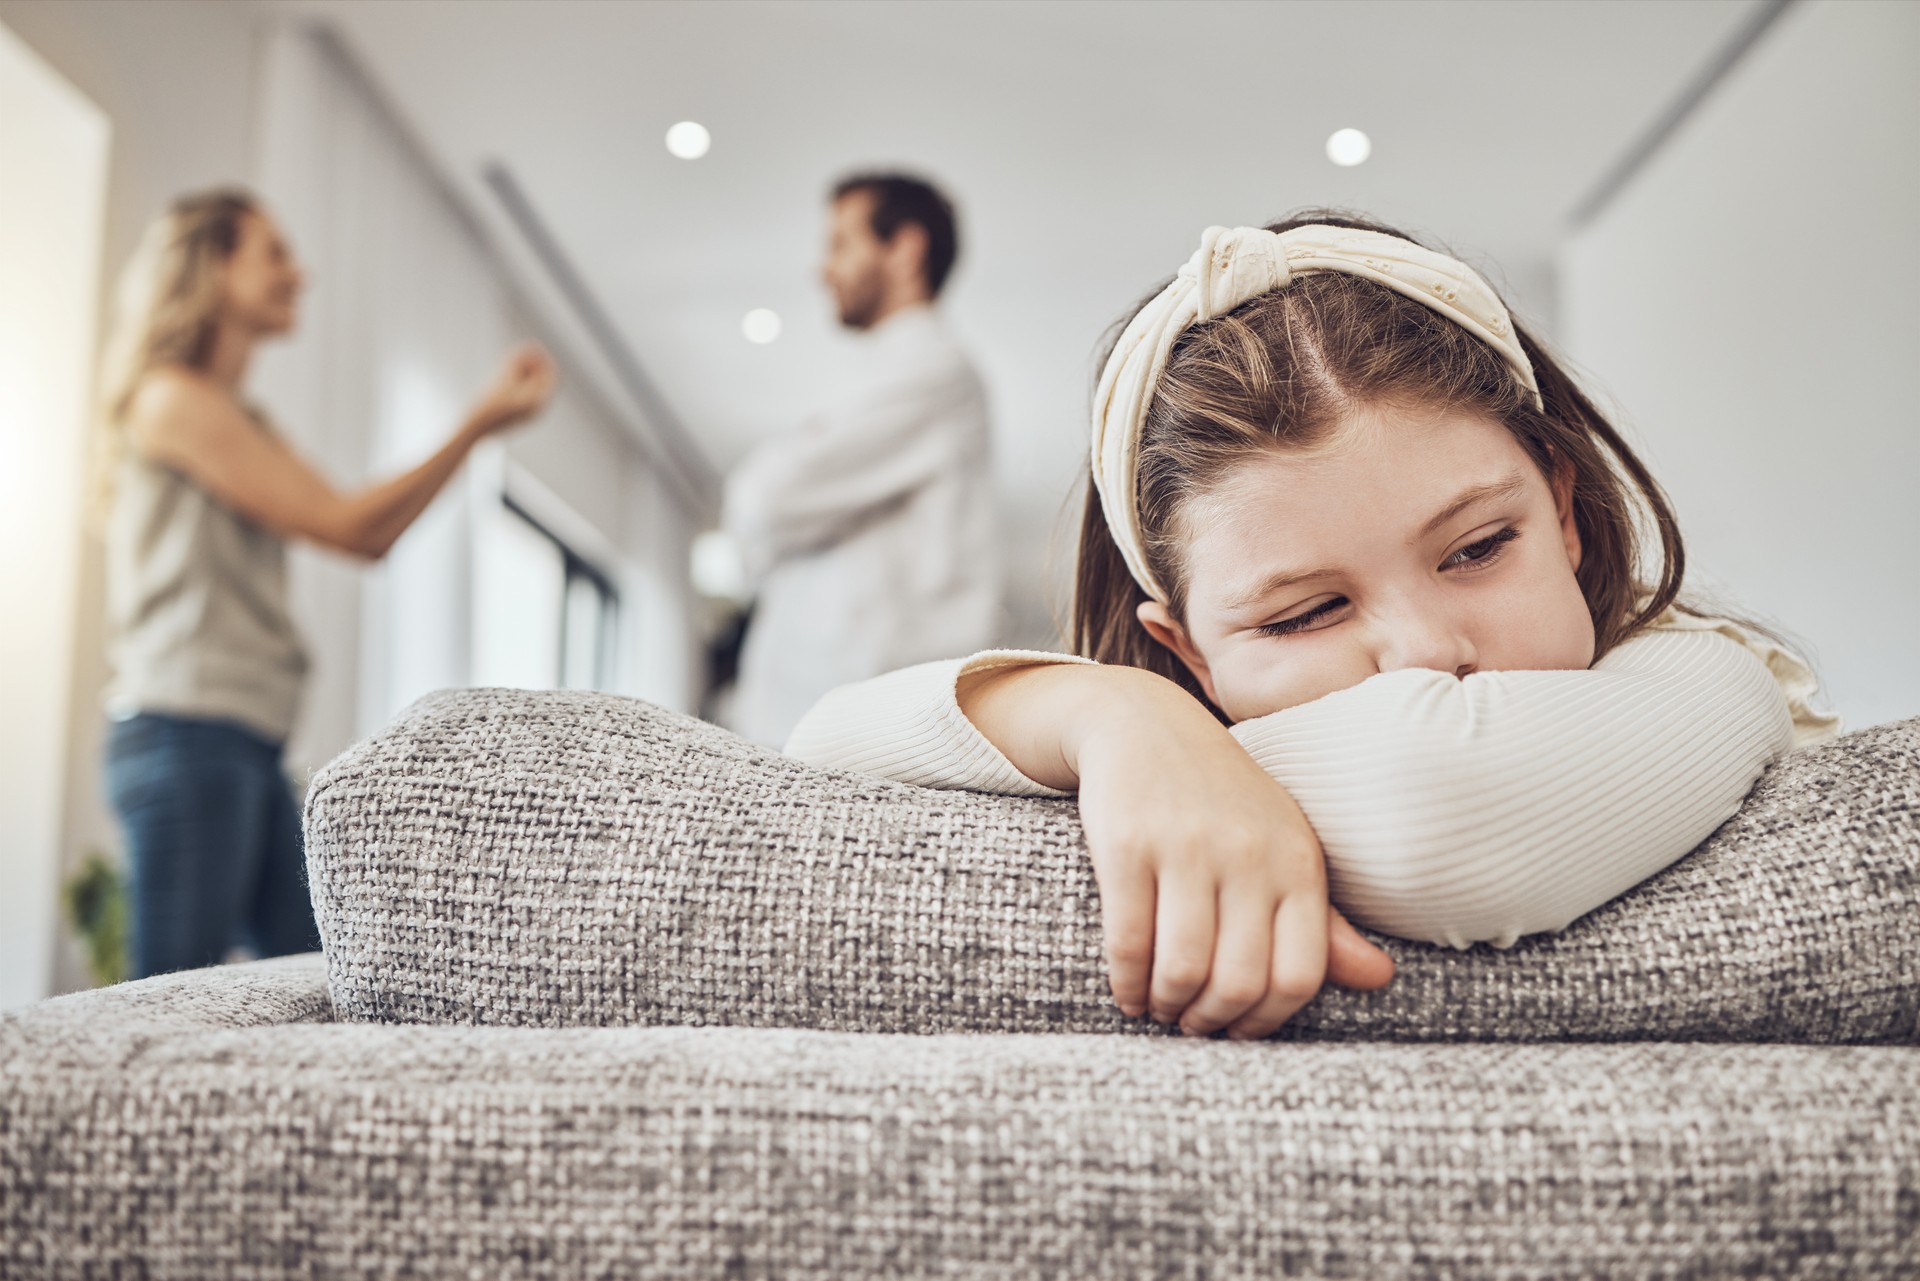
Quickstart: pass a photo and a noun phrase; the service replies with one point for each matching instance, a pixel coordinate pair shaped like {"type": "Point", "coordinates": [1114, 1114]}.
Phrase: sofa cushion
{"type": "Point", "coordinates": [517, 858]}
{"type": "Point", "coordinates": [215, 1125]}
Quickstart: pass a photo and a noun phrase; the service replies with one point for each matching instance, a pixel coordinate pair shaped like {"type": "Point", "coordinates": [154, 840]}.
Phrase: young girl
{"type": "Point", "coordinates": [1353, 531]}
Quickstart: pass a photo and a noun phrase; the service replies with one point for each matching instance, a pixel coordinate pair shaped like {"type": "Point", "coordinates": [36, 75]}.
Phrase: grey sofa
{"type": "Point", "coordinates": [609, 993]}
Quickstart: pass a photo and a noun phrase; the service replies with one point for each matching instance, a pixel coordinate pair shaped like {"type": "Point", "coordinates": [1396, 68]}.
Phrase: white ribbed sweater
{"type": "Point", "coordinates": [1451, 810]}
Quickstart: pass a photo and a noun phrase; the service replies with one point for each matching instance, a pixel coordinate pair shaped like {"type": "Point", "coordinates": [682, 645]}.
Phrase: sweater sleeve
{"type": "Point", "coordinates": [1509, 803]}
{"type": "Point", "coordinates": [908, 726]}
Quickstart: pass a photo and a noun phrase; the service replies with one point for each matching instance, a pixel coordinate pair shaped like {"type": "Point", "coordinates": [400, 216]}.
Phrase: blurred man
{"type": "Point", "coordinates": [868, 530]}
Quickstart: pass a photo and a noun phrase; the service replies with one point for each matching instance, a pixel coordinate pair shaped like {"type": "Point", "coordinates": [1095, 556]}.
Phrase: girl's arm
{"type": "Point", "coordinates": [1509, 803]}
{"type": "Point", "coordinates": [184, 421]}
{"type": "Point", "coordinates": [1453, 811]}
{"type": "Point", "coordinates": [908, 726]}
{"type": "Point", "coordinates": [1212, 885]}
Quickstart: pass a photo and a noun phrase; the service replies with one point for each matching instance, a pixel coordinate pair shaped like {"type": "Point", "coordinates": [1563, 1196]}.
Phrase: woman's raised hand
{"type": "Point", "coordinates": [519, 391]}
{"type": "Point", "coordinates": [1213, 888]}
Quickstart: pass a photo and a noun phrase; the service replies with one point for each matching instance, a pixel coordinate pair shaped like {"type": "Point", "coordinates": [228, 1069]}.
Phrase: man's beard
{"type": "Point", "coordinates": [860, 304]}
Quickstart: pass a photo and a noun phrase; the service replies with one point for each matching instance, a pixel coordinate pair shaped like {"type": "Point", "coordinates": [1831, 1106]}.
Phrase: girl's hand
{"type": "Point", "coordinates": [1212, 884]}
{"type": "Point", "coordinates": [520, 391]}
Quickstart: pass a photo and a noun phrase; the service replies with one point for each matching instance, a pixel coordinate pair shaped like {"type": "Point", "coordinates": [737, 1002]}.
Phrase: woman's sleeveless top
{"type": "Point", "coordinates": [197, 613]}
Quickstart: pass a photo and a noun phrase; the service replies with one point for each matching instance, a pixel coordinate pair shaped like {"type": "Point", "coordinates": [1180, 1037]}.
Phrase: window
{"type": "Point", "coordinates": [545, 616]}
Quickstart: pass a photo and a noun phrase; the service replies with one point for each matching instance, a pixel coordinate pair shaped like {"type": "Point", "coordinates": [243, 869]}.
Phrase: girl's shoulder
{"type": "Point", "coordinates": [1792, 673]}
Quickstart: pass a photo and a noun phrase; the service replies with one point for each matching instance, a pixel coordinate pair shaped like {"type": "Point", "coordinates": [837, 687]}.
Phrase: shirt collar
{"type": "Point", "coordinates": [910, 322]}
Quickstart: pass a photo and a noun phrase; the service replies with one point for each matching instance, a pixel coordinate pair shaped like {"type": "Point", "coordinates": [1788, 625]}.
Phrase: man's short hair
{"type": "Point", "coordinates": [899, 199]}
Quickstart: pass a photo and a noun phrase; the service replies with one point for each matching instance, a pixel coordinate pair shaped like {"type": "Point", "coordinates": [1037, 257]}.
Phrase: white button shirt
{"type": "Point", "coordinates": [868, 530]}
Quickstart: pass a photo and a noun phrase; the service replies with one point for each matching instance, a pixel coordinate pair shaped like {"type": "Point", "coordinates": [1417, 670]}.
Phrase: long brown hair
{"type": "Point", "coordinates": [166, 311]}
{"type": "Point", "coordinates": [1286, 368]}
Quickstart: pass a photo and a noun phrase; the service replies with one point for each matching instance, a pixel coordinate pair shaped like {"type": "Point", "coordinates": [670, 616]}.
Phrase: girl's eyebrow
{"type": "Point", "coordinates": [1506, 487]}
{"type": "Point", "coordinates": [1271, 584]}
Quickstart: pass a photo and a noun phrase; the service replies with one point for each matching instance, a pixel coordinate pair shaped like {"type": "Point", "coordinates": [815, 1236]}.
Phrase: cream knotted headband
{"type": "Point", "coordinates": [1232, 265]}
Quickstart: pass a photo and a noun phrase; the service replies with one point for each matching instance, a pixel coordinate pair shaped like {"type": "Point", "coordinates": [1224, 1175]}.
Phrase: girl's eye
{"type": "Point", "coordinates": [1482, 553]}
{"type": "Point", "coordinates": [1313, 618]}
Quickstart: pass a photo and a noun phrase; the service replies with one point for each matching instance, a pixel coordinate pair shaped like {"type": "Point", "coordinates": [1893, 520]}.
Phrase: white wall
{"type": "Point", "coordinates": [53, 166]}
{"type": "Point", "coordinates": [1752, 302]}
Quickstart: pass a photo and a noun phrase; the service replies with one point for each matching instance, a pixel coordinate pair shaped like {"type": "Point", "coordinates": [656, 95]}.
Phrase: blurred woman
{"type": "Point", "coordinates": [201, 496]}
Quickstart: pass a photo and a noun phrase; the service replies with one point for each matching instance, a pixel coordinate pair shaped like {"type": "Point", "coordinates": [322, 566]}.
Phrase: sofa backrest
{"type": "Point", "coordinates": [560, 859]}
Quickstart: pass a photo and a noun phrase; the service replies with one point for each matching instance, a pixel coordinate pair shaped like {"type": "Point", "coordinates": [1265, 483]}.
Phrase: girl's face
{"type": "Point", "coordinates": [1410, 539]}
{"type": "Point", "coordinates": [261, 280]}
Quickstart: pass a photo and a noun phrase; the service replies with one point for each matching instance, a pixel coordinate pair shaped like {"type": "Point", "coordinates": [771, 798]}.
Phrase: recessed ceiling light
{"type": "Point", "coordinates": [1349, 147]}
{"type": "Point", "coordinates": [760, 325]}
{"type": "Point", "coordinates": [689, 140]}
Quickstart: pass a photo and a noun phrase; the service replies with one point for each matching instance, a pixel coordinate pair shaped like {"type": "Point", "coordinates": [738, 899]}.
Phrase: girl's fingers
{"type": "Point", "coordinates": [1126, 920]}
{"type": "Point", "coordinates": [1182, 945]}
{"type": "Point", "coordinates": [1299, 966]}
{"type": "Point", "coordinates": [1242, 961]}
{"type": "Point", "coordinates": [1352, 961]}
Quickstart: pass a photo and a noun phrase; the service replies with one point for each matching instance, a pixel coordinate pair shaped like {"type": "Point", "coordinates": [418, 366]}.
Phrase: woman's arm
{"type": "Point", "coordinates": [182, 420]}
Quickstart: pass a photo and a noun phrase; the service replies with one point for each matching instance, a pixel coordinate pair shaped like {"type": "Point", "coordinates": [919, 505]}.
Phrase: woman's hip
{"type": "Point", "coordinates": [160, 750]}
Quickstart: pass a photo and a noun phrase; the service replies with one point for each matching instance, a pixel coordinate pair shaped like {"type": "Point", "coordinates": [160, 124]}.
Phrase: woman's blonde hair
{"type": "Point", "coordinates": [1284, 369]}
{"type": "Point", "coordinates": [166, 311]}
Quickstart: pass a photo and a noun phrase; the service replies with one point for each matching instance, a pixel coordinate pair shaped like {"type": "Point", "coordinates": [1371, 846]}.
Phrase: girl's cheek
{"type": "Point", "coordinates": [1573, 631]}
{"type": "Point", "coordinates": [1544, 625]}
{"type": "Point", "coordinates": [1289, 672]}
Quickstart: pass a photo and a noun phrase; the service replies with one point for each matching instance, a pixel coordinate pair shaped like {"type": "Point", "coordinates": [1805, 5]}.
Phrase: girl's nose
{"type": "Point", "coordinates": [1426, 641]}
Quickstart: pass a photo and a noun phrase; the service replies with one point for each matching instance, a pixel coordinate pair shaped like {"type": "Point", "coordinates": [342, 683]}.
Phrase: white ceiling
{"type": "Point", "coordinates": [1087, 144]}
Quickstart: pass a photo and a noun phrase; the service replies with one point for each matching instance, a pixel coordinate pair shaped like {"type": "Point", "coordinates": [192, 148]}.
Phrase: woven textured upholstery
{"type": "Point", "coordinates": [549, 859]}
{"type": "Point", "coordinates": [215, 1124]}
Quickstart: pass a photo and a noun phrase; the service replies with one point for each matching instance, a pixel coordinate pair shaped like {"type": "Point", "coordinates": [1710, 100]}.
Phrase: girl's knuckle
{"type": "Point", "coordinates": [1239, 991]}
{"type": "Point", "coordinates": [1296, 987]}
{"type": "Point", "coordinates": [1180, 974]}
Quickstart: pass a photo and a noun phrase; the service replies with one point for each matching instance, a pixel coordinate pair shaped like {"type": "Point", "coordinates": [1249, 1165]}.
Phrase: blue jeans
{"type": "Point", "coordinates": [213, 841]}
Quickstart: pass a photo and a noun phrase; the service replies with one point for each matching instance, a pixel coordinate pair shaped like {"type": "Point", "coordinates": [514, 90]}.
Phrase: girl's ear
{"type": "Point", "coordinates": [1563, 507]}
{"type": "Point", "coordinates": [1163, 627]}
